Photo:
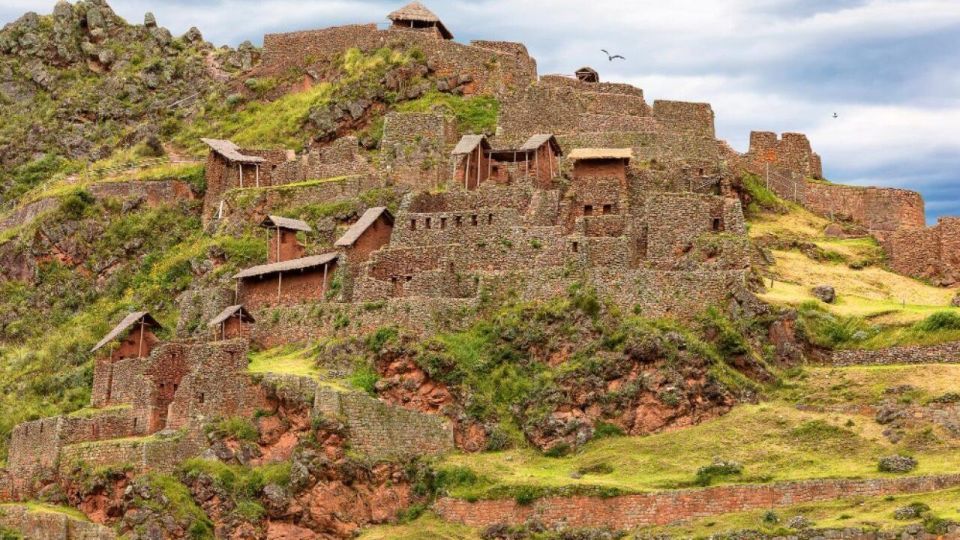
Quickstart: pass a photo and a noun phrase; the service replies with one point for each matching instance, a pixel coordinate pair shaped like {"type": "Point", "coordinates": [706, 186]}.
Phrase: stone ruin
{"type": "Point", "coordinates": [582, 182]}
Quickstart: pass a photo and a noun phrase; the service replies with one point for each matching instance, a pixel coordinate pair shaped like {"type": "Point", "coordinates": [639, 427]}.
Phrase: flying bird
{"type": "Point", "coordinates": [835, 115]}
{"type": "Point", "coordinates": [612, 57]}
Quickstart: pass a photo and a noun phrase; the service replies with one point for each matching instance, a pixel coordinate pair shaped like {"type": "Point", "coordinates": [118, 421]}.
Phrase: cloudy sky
{"type": "Point", "coordinates": [889, 68]}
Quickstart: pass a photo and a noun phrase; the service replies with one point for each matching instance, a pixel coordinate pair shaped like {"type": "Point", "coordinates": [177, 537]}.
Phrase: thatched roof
{"type": "Point", "coordinates": [231, 151]}
{"type": "Point", "coordinates": [366, 220]}
{"type": "Point", "coordinates": [230, 312]}
{"type": "Point", "coordinates": [124, 325]}
{"type": "Point", "coordinates": [588, 74]}
{"type": "Point", "coordinates": [539, 140]}
{"type": "Point", "coordinates": [287, 266]}
{"type": "Point", "coordinates": [600, 153]}
{"type": "Point", "coordinates": [274, 222]}
{"type": "Point", "coordinates": [468, 143]}
{"type": "Point", "coordinates": [415, 11]}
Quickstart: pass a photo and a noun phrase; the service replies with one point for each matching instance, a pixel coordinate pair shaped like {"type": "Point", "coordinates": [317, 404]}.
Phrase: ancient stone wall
{"type": "Point", "coordinates": [41, 524]}
{"type": "Point", "coordinates": [216, 386]}
{"type": "Point", "coordinates": [156, 454]}
{"type": "Point", "coordinates": [496, 68]}
{"type": "Point", "coordinates": [929, 253]}
{"type": "Point", "coordinates": [381, 430]}
{"type": "Point", "coordinates": [34, 446]}
{"type": "Point", "coordinates": [663, 508]}
{"type": "Point", "coordinates": [284, 246]}
{"type": "Point", "coordinates": [944, 353]}
{"type": "Point", "coordinates": [294, 287]}
{"type": "Point", "coordinates": [880, 210]}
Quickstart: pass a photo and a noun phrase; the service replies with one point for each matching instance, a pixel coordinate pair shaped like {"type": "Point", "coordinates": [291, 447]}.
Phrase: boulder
{"type": "Point", "coordinates": [956, 301]}
{"type": "Point", "coordinates": [150, 20]}
{"type": "Point", "coordinates": [825, 293]}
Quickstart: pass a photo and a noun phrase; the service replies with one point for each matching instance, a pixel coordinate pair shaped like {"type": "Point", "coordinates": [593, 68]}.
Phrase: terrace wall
{"type": "Point", "coordinates": [930, 253]}
{"type": "Point", "coordinates": [880, 210]}
{"type": "Point", "coordinates": [381, 430]}
{"type": "Point", "coordinates": [630, 511]}
{"type": "Point", "coordinates": [497, 68]}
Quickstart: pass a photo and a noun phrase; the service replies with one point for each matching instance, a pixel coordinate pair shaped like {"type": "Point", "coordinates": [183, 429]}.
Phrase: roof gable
{"type": "Point", "coordinates": [469, 143]}
{"type": "Point", "coordinates": [601, 153]}
{"type": "Point", "coordinates": [280, 222]}
{"type": "Point", "coordinates": [540, 139]}
{"type": "Point", "coordinates": [366, 220]}
{"type": "Point", "coordinates": [287, 266]}
{"type": "Point", "coordinates": [231, 151]}
{"type": "Point", "coordinates": [124, 325]}
{"type": "Point", "coordinates": [415, 11]}
{"type": "Point", "coordinates": [230, 312]}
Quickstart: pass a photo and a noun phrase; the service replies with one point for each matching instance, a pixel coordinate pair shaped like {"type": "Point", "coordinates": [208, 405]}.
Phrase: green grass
{"type": "Point", "coordinates": [91, 412]}
{"type": "Point", "coordinates": [476, 114]}
{"type": "Point", "coordinates": [34, 506]}
{"type": "Point", "coordinates": [429, 526]}
{"type": "Point", "coordinates": [775, 442]}
{"type": "Point", "coordinates": [179, 504]}
{"type": "Point", "coordinates": [294, 359]}
{"type": "Point", "coordinates": [872, 513]}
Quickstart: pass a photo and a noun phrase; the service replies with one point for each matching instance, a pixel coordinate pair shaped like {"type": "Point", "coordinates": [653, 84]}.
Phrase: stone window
{"type": "Point", "coordinates": [588, 210]}
{"type": "Point", "coordinates": [413, 224]}
{"type": "Point", "coordinates": [700, 171]}
{"type": "Point", "coordinates": [443, 223]}
{"type": "Point", "coordinates": [458, 220]}
{"type": "Point", "coordinates": [200, 398]}
{"type": "Point", "coordinates": [427, 223]}
{"type": "Point", "coordinates": [716, 224]}
{"type": "Point", "coordinates": [473, 220]}
{"type": "Point", "coordinates": [409, 279]}
{"type": "Point", "coordinates": [607, 209]}
{"type": "Point", "coordinates": [575, 247]}
{"type": "Point", "coordinates": [175, 386]}
{"type": "Point", "coordinates": [135, 423]}
{"type": "Point", "coordinates": [489, 219]}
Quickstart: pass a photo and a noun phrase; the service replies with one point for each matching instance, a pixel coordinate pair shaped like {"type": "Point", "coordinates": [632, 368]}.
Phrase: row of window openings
{"type": "Point", "coordinates": [606, 209]}
{"type": "Point", "coordinates": [457, 221]}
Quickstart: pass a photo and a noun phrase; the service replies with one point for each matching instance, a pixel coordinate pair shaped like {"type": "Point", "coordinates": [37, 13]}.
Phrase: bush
{"type": "Point", "coordinates": [717, 470]}
{"type": "Point", "coordinates": [526, 495]}
{"type": "Point", "coordinates": [602, 430]}
{"type": "Point", "coordinates": [941, 320]}
{"type": "Point", "coordinates": [235, 427]}
{"type": "Point", "coordinates": [897, 464]}
{"type": "Point", "coordinates": [75, 204]}
{"type": "Point", "coordinates": [365, 378]}
{"type": "Point", "coordinates": [910, 511]}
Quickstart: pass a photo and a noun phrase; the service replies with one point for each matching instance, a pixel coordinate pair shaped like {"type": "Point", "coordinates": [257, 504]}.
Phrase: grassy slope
{"type": "Point", "coordinates": [774, 441]}
{"type": "Point", "coordinates": [870, 292]}
{"type": "Point", "coordinates": [427, 527]}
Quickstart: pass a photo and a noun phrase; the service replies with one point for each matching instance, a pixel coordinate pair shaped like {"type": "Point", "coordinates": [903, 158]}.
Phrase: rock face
{"type": "Point", "coordinates": [66, 75]}
{"type": "Point", "coordinates": [956, 301]}
{"type": "Point", "coordinates": [825, 293]}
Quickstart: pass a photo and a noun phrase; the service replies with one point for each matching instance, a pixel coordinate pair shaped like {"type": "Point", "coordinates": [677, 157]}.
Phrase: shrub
{"type": "Point", "coordinates": [235, 427]}
{"type": "Point", "coordinates": [526, 495]}
{"type": "Point", "coordinates": [454, 477]}
{"type": "Point", "coordinates": [910, 511]}
{"type": "Point", "coordinates": [377, 340]}
{"type": "Point", "coordinates": [897, 464]}
{"type": "Point", "coordinates": [602, 430]}
{"type": "Point", "coordinates": [941, 320]}
{"type": "Point", "coordinates": [75, 204]}
{"type": "Point", "coordinates": [559, 449]}
{"type": "Point", "coordinates": [365, 378]}
{"type": "Point", "coordinates": [717, 470]}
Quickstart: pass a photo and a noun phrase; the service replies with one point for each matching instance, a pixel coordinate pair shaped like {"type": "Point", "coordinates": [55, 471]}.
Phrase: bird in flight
{"type": "Point", "coordinates": [612, 57]}
{"type": "Point", "coordinates": [835, 115]}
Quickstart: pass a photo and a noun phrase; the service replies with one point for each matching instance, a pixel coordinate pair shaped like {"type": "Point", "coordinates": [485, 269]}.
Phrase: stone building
{"type": "Point", "coordinates": [230, 323]}
{"type": "Point", "coordinates": [471, 161]}
{"type": "Point", "coordinates": [293, 281]}
{"type": "Point", "coordinates": [137, 330]}
{"type": "Point", "coordinates": [229, 166]}
{"type": "Point", "coordinates": [284, 244]}
{"type": "Point", "coordinates": [369, 233]}
{"type": "Point", "coordinates": [416, 16]}
{"type": "Point", "coordinates": [928, 253]}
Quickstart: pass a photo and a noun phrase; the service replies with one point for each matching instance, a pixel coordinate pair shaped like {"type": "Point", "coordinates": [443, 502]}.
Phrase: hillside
{"type": "Point", "coordinates": [382, 284]}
